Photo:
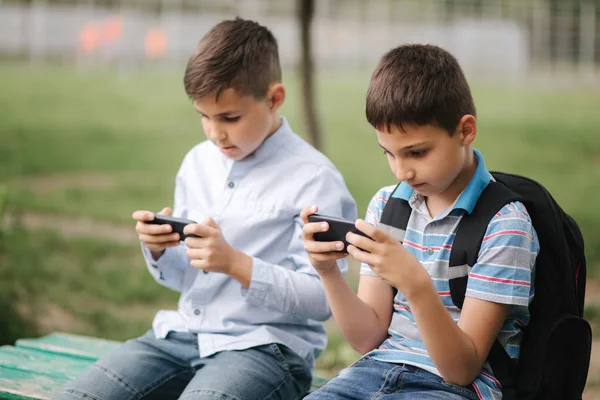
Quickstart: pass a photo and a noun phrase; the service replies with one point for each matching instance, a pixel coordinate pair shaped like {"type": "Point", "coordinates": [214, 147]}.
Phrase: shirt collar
{"type": "Point", "coordinates": [469, 196]}
{"type": "Point", "coordinates": [274, 142]}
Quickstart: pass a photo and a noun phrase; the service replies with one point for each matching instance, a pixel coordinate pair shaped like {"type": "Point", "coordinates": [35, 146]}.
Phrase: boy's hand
{"type": "Point", "coordinates": [210, 251]}
{"type": "Point", "coordinates": [387, 258]}
{"type": "Point", "coordinates": [322, 255]}
{"type": "Point", "coordinates": [155, 237]}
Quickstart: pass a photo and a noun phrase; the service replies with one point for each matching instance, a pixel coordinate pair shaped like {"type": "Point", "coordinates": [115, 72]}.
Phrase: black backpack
{"type": "Point", "coordinates": [556, 347]}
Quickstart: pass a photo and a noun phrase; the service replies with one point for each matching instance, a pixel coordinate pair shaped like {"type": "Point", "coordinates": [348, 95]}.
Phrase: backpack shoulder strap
{"type": "Point", "coordinates": [471, 230]}
{"type": "Point", "coordinates": [465, 251]}
{"type": "Point", "coordinates": [395, 215]}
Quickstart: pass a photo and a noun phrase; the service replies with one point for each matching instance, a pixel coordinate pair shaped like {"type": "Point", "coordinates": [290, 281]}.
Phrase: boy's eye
{"type": "Point", "coordinates": [387, 153]}
{"type": "Point", "coordinates": [231, 119]}
{"type": "Point", "coordinates": [418, 153]}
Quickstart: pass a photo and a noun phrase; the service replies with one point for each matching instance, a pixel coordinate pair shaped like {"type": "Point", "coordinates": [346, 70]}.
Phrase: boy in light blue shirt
{"type": "Point", "coordinates": [249, 320]}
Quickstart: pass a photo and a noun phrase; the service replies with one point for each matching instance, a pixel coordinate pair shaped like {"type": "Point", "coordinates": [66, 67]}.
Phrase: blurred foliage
{"type": "Point", "coordinates": [17, 267]}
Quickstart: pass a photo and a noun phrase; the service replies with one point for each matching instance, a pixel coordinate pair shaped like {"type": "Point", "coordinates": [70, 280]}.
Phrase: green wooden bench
{"type": "Point", "coordinates": [40, 367]}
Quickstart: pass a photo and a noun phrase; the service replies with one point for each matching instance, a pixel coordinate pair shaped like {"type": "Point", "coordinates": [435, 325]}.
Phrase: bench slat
{"type": "Point", "coordinates": [24, 385]}
{"type": "Point", "coordinates": [83, 347]}
{"type": "Point", "coordinates": [42, 363]}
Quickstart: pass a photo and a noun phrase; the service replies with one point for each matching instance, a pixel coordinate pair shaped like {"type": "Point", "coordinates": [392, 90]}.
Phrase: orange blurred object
{"type": "Point", "coordinates": [104, 33]}
{"type": "Point", "coordinates": [156, 43]}
{"type": "Point", "coordinates": [89, 38]}
{"type": "Point", "coordinates": [111, 30]}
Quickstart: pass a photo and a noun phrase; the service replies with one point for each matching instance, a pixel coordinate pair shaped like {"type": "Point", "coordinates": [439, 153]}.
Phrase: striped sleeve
{"type": "Point", "coordinates": [505, 266]}
{"type": "Point", "coordinates": [373, 216]}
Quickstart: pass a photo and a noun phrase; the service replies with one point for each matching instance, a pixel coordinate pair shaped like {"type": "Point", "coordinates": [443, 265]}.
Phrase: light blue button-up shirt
{"type": "Point", "coordinates": [256, 202]}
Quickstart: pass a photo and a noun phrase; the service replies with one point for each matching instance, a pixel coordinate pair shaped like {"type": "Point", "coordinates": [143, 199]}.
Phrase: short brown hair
{"type": "Point", "coordinates": [418, 84]}
{"type": "Point", "coordinates": [238, 54]}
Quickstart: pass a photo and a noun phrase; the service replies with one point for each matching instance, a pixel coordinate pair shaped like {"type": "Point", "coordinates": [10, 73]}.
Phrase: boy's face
{"type": "Point", "coordinates": [238, 125]}
{"type": "Point", "coordinates": [427, 157]}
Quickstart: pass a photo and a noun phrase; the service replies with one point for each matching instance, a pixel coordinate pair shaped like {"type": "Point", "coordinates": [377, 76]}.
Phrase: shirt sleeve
{"type": "Point", "coordinates": [504, 270]}
{"type": "Point", "coordinates": [294, 287]}
{"type": "Point", "coordinates": [169, 269]}
{"type": "Point", "coordinates": [373, 216]}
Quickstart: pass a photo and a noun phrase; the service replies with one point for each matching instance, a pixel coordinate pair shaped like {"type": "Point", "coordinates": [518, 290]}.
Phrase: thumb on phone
{"type": "Point", "coordinates": [166, 211]}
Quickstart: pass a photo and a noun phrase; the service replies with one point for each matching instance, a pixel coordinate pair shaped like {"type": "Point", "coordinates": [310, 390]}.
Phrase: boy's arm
{"type": "Point", "coordinates": [169, 268]}
{"type": "Point", "coordinates": [457, 350]}
{"type": "Point", "coordinates": [364, 318]}
{"type": "Point", "coordinates": [501, 277]}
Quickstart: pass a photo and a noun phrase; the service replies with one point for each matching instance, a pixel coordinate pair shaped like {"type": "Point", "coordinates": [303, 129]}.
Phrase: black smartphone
{"type": "Point", "coordinates": [338, 228]}
{"type": "Point", "coordinates": [176, 223]}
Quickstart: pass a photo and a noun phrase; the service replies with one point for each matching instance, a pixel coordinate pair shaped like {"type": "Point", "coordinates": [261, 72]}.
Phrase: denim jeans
{"type": "Point", "coordinates": [171, 368]}
{"type": "Point", "coordinates": [369, 379]}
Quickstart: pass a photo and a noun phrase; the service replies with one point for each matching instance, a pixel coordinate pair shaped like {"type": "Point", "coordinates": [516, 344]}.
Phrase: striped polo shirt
{"type": "Point", "coordinates": [504, 271]}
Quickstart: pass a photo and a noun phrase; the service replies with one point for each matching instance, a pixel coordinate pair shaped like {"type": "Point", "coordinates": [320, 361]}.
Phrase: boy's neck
{"type": "Point", "coordinates": [437, 204]}
{"type": "Point", "coordinates": [275, 125]}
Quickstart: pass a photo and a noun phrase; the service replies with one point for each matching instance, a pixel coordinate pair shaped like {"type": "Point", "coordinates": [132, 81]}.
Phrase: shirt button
{"type": "Point", "coordinates": [231, 185]}
{"type": "Point", "coordinates": [197, 312]}
{"type": "Point", "coordinates": [430, 251]}
{"type": "Point", "coordinates": [432, 224]}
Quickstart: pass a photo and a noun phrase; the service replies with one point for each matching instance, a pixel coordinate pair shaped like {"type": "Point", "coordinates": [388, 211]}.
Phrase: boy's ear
{"type": "Point", "coordinates": [467, 129]}
{"type": "Point", "coordinates": [276, 96]}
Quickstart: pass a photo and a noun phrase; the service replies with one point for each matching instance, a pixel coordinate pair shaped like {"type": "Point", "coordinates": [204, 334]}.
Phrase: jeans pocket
{"type": "Point", "coordinates": [292, 363]}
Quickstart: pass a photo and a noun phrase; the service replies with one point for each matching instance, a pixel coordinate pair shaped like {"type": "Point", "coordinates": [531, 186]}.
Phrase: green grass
{"type": "Point", "coordinates": [99, 145]}
{"type": "Point", "coordinates": [131, 131]}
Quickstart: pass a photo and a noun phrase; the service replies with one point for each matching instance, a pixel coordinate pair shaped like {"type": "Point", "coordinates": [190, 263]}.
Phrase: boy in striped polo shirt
{"type": "Point", "coordinates": [416, 343]}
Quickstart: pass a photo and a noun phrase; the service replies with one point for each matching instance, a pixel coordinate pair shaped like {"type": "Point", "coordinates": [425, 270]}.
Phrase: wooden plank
{"type": "Point", "coordinates": [42, 363]}
{"type": "Point", "coordinates": [23, 385]}
{"type": "Point", "coordinates": [83, 347]}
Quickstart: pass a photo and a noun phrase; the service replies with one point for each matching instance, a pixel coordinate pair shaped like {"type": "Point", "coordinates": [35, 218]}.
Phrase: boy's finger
{"type": "Point", "coordinates": [166, 211]}
{"type": "Point", "coordinates": [201, 230]}
{"type": "Point", "coordinates": [313, 227]}
{"type": "Point", "coordinates": [196, 242]}
{"type": "Point", "coordinates": [361, 242]}
{"type": "Point", "coordinates": [142, 215]}
{"type": "Point", "coordinates": [361, 256]}
{"type": "Point", "coordinates": [374, 233]}
{"type": "Point", "coordinates": [155, 239]}
{"type": "Point", "coordinates": [315, 247]}
{"type": "Point", "coordinates": [322, 257]}
{"type": "Point", "coordinates": [151, 229]}
{"type": "Point", "coordinates": [308, 211]}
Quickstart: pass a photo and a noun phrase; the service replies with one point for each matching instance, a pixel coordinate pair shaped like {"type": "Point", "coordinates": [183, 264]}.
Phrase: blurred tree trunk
{"type": "Point", "coordinates": [306, 10]}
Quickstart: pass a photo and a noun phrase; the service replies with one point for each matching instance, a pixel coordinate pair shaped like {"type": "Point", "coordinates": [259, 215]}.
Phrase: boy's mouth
{"type": "Point", "coordinates": [418, 186]}
{"type": "Point", "coordinates": [227, 149]}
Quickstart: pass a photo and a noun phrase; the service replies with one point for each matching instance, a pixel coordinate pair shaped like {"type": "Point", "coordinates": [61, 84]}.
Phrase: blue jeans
{"type": "Point", "coordinates": [171, 368]}
{"type": "Point", "coordinates": [369, 379]}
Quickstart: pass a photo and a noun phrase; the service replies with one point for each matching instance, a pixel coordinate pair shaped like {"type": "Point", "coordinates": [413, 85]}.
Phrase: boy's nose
{"type": "Point", "coordinates": [215, 134]}
{"type": "Point", "coordinates": [403, 172]}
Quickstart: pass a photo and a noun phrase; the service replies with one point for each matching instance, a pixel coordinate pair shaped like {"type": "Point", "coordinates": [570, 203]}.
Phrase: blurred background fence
{"type": "Point", "coordinates": [509, 40]}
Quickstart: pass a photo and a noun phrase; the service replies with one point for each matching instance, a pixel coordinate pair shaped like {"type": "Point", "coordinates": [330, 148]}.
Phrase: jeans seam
{"type": "Point", "coordinates": [119, 379]}
{"type": "Point", "coordinates": [212, 392]}
{"type": "Point", "coordinates": [380, 392]}
{"type": "Point", "coordinates": [281, 357]}
{"type": "Point", "coordinates": [79, 393]}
